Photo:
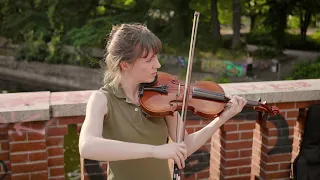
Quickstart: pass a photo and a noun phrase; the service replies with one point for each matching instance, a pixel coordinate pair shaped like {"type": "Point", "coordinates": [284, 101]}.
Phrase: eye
{"type": "Point", "coordinates": [149, 60]}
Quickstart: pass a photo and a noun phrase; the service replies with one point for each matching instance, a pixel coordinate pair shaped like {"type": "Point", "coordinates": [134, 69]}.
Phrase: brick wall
{"type": "Point", "coordinates": [36, 139]}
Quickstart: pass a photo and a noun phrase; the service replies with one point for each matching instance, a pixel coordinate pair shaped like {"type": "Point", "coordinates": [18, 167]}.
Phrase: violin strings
{"type": "Point", "coordinates": [219, 95]}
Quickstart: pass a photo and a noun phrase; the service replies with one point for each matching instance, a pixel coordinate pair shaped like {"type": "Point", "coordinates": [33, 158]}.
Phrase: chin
{"type": "Point", "coordinates": [149, 80]}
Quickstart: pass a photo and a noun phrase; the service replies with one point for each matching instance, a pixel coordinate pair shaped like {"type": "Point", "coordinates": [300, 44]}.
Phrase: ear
{"type": "Point", "coordinates": [124, 65]}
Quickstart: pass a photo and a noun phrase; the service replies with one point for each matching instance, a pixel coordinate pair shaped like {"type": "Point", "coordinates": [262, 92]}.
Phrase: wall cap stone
{"type": "Point", "coordinates": [33, 106]}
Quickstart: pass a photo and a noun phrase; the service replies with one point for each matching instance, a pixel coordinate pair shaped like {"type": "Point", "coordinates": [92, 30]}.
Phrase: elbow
{"type": "Point", "coordinates": [84, 147]}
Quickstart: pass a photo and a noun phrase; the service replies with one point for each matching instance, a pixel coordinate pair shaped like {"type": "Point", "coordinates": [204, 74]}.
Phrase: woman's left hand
{"type": "Point", "coordinates": [233, 107]}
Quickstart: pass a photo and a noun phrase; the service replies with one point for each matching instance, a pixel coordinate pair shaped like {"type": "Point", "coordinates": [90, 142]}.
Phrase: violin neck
{"type": "Point", "coordinates": [214, 96]}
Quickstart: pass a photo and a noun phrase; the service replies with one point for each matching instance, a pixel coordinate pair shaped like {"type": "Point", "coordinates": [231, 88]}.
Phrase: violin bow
{"type": "Point", "coordinates": [181, 128]}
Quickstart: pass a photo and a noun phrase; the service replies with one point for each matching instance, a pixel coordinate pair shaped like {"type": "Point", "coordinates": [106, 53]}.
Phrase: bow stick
{"type": "Point", "coordinates": [181, 129]}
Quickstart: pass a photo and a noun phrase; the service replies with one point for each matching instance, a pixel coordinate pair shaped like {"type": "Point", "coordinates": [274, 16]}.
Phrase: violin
{"type": "Point", "coordinates": [166, 94]}
{"type": "Point", "coordinates": [206, 99]}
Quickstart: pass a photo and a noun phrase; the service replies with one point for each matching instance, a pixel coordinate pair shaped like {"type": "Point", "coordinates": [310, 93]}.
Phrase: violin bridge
{"type": "Point", "coordinates": [179, 90]}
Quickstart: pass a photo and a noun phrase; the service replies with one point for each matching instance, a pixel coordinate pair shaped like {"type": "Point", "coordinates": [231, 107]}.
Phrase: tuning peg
{"type": "Point", "coordinates": [264, 102]}
{"type": "Point", "coordinates": [259, 99]}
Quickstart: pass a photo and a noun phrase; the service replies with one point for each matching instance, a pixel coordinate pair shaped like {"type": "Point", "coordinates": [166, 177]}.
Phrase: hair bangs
{"type": "Point", "coordinates": [148, 43]}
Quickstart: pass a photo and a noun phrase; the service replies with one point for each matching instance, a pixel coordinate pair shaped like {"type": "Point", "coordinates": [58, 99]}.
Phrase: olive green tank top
{"type": "Point", "coordinates": [126, 122]}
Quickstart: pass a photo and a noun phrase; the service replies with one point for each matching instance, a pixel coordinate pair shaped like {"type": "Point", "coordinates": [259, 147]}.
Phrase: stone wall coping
{"type": "Point", "coordinates": [39, 106]}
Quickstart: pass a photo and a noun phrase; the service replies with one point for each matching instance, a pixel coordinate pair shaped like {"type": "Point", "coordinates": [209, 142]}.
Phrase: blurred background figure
{"type": "Point", "coordinates": [249, 70]}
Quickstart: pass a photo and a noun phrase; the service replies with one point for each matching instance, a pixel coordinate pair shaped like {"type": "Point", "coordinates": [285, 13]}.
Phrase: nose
{"type": "Point", "coordinates": [157, 64]}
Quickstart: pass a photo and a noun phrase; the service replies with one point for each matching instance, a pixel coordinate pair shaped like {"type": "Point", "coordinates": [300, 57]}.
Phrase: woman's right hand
{"type": "Point", "coordinates": [175, 151]}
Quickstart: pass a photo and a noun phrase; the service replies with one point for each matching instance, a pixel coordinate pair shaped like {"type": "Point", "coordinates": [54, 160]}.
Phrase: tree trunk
{"type": "Point", "coordinates": [236, 24]}
{"type": "Point", "coordinates": [252, 22]}
{"type": "Point", "coordinates": [282, 26]}
{"type": "Point", "coordinates": [304, 23]}
{"type": "Point", "coordinates": [216, 36]}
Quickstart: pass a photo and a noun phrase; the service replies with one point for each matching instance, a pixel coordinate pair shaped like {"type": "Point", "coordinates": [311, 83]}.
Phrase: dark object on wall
{"type": "Point", "coordinates": [306, 166]}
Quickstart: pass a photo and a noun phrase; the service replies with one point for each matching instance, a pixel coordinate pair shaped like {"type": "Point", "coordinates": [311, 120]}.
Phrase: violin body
{"type": "Point", "coordinates": [159, 104]}
{"type": "Point", "coordinates": [205, 98]}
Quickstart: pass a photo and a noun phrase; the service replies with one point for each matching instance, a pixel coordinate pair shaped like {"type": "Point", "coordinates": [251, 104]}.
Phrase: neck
{"type": "Point", "coordinates": [131, 88]}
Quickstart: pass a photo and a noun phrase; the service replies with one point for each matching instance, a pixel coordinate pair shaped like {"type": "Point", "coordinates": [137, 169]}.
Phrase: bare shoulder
{"type": "Point", "coordinates": [95, 112]}
{"type": "Point", "coordinates": [97, 101]}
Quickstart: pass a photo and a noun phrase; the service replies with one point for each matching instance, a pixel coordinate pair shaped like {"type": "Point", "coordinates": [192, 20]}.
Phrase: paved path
{"type": "Point", "coordinates": [286, 67]}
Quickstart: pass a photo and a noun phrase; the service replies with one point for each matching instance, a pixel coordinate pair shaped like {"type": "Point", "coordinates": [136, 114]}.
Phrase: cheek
{"type": "Point", "coordinates": [145, 68]}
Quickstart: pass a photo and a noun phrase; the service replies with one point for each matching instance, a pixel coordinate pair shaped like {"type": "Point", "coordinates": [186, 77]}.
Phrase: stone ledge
{"type": "Point", "coordinates": [69, 103]}
{"type": "Point", "coordinates": [276, 91]}
{"type": "Point", "coordinates": [21, 107]}
{"type": "Point", "coordinates": [24, 107]}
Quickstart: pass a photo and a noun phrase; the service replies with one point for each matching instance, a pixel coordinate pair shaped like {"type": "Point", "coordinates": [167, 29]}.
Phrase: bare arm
{"type": "Point", "coordinates": [93, 146]}
{"type": "Point", "coordinates": [195, 140]}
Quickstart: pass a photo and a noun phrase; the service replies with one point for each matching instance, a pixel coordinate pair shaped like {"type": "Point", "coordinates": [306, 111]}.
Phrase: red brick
{"type": "Point", "coordinates": [246, 135]}
{"type": "Point", "coordinates": [291, 114]}
{"type": "Point", "coordinates": [246, 153]}
{"type": "Point", "coordinates": [278, 175]}
{"type": "Point", "coordinates": [20, 177]}
{"type": "Point", "coordinates": [37, 156]}
{"type": "Point", "coordinates": [244, 170]}
{"type": "Point", "coordinates": [3, 135]}
{"type": "Point", "coordinates": [193, 122]}
{"type": "Point", "coordinates": [39, 175]}
{"type": "Point", "coordinates": [238, 145]}
{"type": "Point", "coordinates": [197, 129]}
{"type": "Point", "coordinates": [230, 127]}
{"type": "Point", "coordinates": [238, 178]}
{"type": "Point", "coordinates": [203, 174]}
{"type": "Point", "coordinates": [18, 158]}
{"type": "Point", "coordinates": [57, 131]}
{"type": "Point", "coordinates": [247, 126]}
{"type": "Point", "coordinates": [27, 146]}
{"type": "Point", "coordinates": [283, 114]}
{"type": "Point", "coordinates": [4, 146]}
{"type": "Point", "coordinates": [231, 136]}
{"type": "Point", "coordinates": [62, 178]}
{"type": "Point", "coordinates": [237, 162]}
{"type": "Point", "coordinates": [15, 136]}
{"type": "Point", "coordinates": [190, 130]}
{"type": "Point", "coordinates": [56, 151]}
{"type": "Point", "coordinates": [230, 154]}
{"type": "Point", "coordinates": [55, 141]}
{"type": "Point", "coordinates": [35, 125]}
{"type": "Point", "coordinates": [303, 104]}
{"type": "Point", "coordinates": [276, 158]}
{"type": "Point", "coordinates": [269, 141]}
{"type": "Point", "coordinates": [71, 120]}
{"type": "Point", "coordinates": [268, 125]}
{"type": "Point", "coordinates": [284, 166]}
{"type": "Point", "coordinates": [286, 105]}
{"type": "Point", "coordinates": [28, 167]}
{"type": "Point", "coordinates": [53, 122]}
{"type": "Point", "coordinates": [57, 171]}
{"type": "Point", "coordinates": [205, 122]}
{"type": "Point", "coordinates": [56, 161]}
{"type": "Point", "coordinates": [230, 172]}
{"type": "Point", "coordinates": [4, 156]}
{"type": "Point", "coordinates": [35, 136]}
{"type": "Point", "coordinates": [192, 177]}
{"type": "Point", "coordinates": [269, 167]}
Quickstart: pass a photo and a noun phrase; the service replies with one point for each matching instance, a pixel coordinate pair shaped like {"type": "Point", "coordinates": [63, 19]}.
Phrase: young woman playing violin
{"type": "Point", "coordinates": [116, 130]}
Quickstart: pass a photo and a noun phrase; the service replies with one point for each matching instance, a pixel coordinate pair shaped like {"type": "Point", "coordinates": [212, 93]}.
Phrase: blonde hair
{"type": "Point", "coordinates": [127, 42]}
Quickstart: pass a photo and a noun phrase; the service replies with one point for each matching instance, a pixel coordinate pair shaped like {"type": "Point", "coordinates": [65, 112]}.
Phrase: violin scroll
{"type": "Point", "coordinates": [270, 110]}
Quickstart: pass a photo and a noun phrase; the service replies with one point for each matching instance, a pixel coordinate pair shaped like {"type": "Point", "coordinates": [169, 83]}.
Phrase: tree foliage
{"type": "Point", "coordinates": [44, 27]}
